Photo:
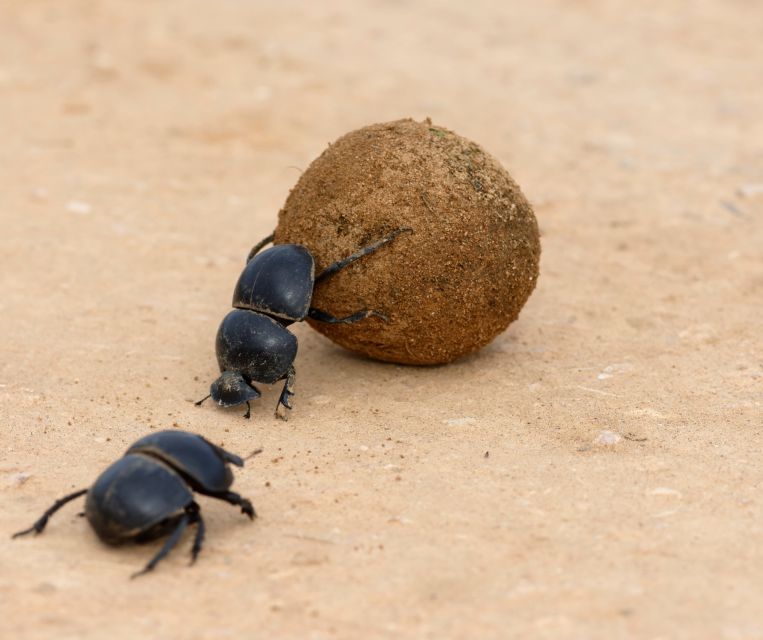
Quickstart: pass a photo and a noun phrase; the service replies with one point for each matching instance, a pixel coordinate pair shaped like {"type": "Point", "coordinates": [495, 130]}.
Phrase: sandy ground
{"type": "Point", "coordinates": [146, 146]}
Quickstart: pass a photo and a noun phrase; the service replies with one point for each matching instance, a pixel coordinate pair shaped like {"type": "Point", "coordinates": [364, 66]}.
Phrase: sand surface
{"type": "Point", "coordinates": [146, 146]}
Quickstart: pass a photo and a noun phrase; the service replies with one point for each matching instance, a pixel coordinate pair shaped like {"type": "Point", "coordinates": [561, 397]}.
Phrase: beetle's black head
{"type": "Point", "coordinates": [230, 389]}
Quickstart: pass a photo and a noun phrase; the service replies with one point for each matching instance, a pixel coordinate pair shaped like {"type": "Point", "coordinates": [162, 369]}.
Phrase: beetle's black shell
{"type": "Point", "coordinates": [134, 495]}
{"type": "Point", "coordinates": [277, 282]}
{"type": "Point", "coordinates": [256, 346]}
{"type": "Point", "coordinates": [200, 462]}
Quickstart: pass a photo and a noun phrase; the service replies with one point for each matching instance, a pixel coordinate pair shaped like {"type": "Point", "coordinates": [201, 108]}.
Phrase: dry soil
{"type": "Point", "coordinates": [595, 472]}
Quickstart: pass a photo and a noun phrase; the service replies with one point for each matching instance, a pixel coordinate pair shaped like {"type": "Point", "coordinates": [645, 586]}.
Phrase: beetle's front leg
{"type": "Point", "coordinates": [286, 393]}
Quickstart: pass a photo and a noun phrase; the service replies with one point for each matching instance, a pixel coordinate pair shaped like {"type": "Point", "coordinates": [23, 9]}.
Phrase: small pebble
{"type": "Point", "coordinates": [750, 190]}
{"type": "Point", "coordinates": [79, 207]}
{"type": "Point", "coordinates": [607, 438]}
{"type": "Point", "coordinates": [17, 479]}
{"type": "Point", "coordinates": [612, 369]}
{"type": "Point", "coordinates": [460, 422]}
{"type": "Point", "coordinates": [665, 491]}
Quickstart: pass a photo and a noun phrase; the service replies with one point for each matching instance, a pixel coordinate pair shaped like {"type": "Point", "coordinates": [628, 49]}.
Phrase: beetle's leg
{"type": "Point", "coordinates": [237, 501]}
{"type": "Point", "coordinates": [341, 264]}
{"type": "Point", "coordinates": [200, 531]}
{"type": "Point", "coordinates": [198, 403]}
{"type": "Point", "coordinates": [227, 455]}
{"type": "Point", "coordinates": [248, 413]}
{"type": "Point", "coordinates": [286, 393]}
{"type": "Point", "coordinates": [322, 316]}
{"type": "Point", "coordinates": [168, 546]}
{"type": "Point", "coordinates": [38, 526]}
{"type": "Point", "coordinates": [256, 248]}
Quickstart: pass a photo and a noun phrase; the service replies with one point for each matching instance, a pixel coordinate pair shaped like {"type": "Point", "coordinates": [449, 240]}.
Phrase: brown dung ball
{"type": "Point", "coordinates": [449, 286]}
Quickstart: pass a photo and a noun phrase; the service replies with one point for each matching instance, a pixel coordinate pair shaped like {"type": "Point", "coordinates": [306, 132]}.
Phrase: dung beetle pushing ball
{"type": "Point", "coordinates": [274, 290]}
{"type": "Point", "coordinates": [149, 492]}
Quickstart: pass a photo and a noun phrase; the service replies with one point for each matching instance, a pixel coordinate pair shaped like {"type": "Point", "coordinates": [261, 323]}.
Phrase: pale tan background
{"type": "Point", "coordinates": [146, 145]}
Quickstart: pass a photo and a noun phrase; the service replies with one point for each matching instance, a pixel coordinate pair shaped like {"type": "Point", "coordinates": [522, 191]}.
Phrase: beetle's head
{"type": "Point", "coordinates": [230, 389]}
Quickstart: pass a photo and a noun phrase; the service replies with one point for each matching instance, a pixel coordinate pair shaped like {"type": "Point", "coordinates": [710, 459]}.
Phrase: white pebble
{"type": "Point", "coordinates": [460, 422]}
{"type": "Point", "coordinates": [610, 370]}
{"type": "Point", "coordinates": [607, 438]}
{"type": "Point", "coordinates": [750, 190]}
{"type": "Point", "coordinates": [665, 491]}
{"type": "Point", "coordinates": [77, 206]}
{"type": "Point", "coordinates": [17, 479]}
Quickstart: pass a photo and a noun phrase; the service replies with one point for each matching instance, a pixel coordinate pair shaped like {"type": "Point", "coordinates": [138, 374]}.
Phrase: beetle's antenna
{"type": "Point", "coordinates": [256, 452]}
{"type": "Point", "coordinates": [200, 402]}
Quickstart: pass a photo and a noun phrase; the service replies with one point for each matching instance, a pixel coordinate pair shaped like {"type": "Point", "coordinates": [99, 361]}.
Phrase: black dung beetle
{"type": "Point", "coordinates": [274, 290]}
{"type": "Point", "coordinates": [149, 492]}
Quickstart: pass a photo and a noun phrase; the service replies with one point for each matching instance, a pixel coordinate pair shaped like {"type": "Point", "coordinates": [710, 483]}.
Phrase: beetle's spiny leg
{"type": "Point", "coordinates": [322, 316]}
{"type": "Point", "coordinates": [341, 264]}
{"type": "Point", "coordinates": [248, 413]}
{"type": "Point", "coordinates": [237, 501]}
{"type": "Point", "coordinates": [198, 403]}
{"type": "Point", "coordinates": [286, 393]}
{"type": "Point", "coordinates": [168, 546]}
{"type": "Point", "coordinates": [256, 248]}
{"type": "Point", "coordinates": [200, 532]}
{"type": "Point", "coordinates": [39, 526]}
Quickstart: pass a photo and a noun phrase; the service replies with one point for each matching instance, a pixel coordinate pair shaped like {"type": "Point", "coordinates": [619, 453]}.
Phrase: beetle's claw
{"type": "Point", "coordinates": [139, 573]}
{"type": "Point", "coordinates": [248, 509]}
{"type": "Point", "coordinates": [37, 528]}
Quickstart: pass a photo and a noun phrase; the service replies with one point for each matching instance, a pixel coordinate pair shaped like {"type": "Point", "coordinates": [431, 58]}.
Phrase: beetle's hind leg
{"type": "Point", "coordinates": [286, 393]}
{"type": "Point", "coordinates": [256, 248]}
{"type": "Point", "coordinates": [322, 316]}
{"type": "Point", "coordinates": [201, 530]}
{"type": "Point", "coordinates": [341, 264]}
{"type": "Point", "coordinates": [237, 501]}
{"type": "Point", "coordinates": [168, 546]}
{"type": "Point", "coordinates": [39, 526]}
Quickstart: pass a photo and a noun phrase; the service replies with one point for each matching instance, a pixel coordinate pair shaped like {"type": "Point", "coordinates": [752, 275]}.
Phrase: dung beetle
{"type": "Point", "coordinates": [274, 290]}
{"type": "Point", "coordinates": [148, 493]}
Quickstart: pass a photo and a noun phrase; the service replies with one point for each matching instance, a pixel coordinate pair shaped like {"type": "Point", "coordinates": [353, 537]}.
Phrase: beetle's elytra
{"type": "Point", "coordinates": [274, 290]}
{"type": "Point", "coordinates": [148, 493]}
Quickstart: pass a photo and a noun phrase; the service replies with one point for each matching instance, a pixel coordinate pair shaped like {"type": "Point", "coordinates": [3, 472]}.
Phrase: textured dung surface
{"type": "Point", "coordinates": [451, 285]}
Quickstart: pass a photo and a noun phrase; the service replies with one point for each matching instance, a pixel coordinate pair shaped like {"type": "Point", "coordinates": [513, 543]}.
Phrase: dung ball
{"type": "Point", "coordinates": [449, 286]}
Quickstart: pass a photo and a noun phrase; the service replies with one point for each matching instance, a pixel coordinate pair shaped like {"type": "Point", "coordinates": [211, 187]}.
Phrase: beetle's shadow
{"type": "Point", "coordinates": [352, 373]}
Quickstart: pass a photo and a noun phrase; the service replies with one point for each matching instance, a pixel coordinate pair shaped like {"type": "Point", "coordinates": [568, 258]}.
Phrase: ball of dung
{"type": "Point", "coordinates": [448, 286]}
